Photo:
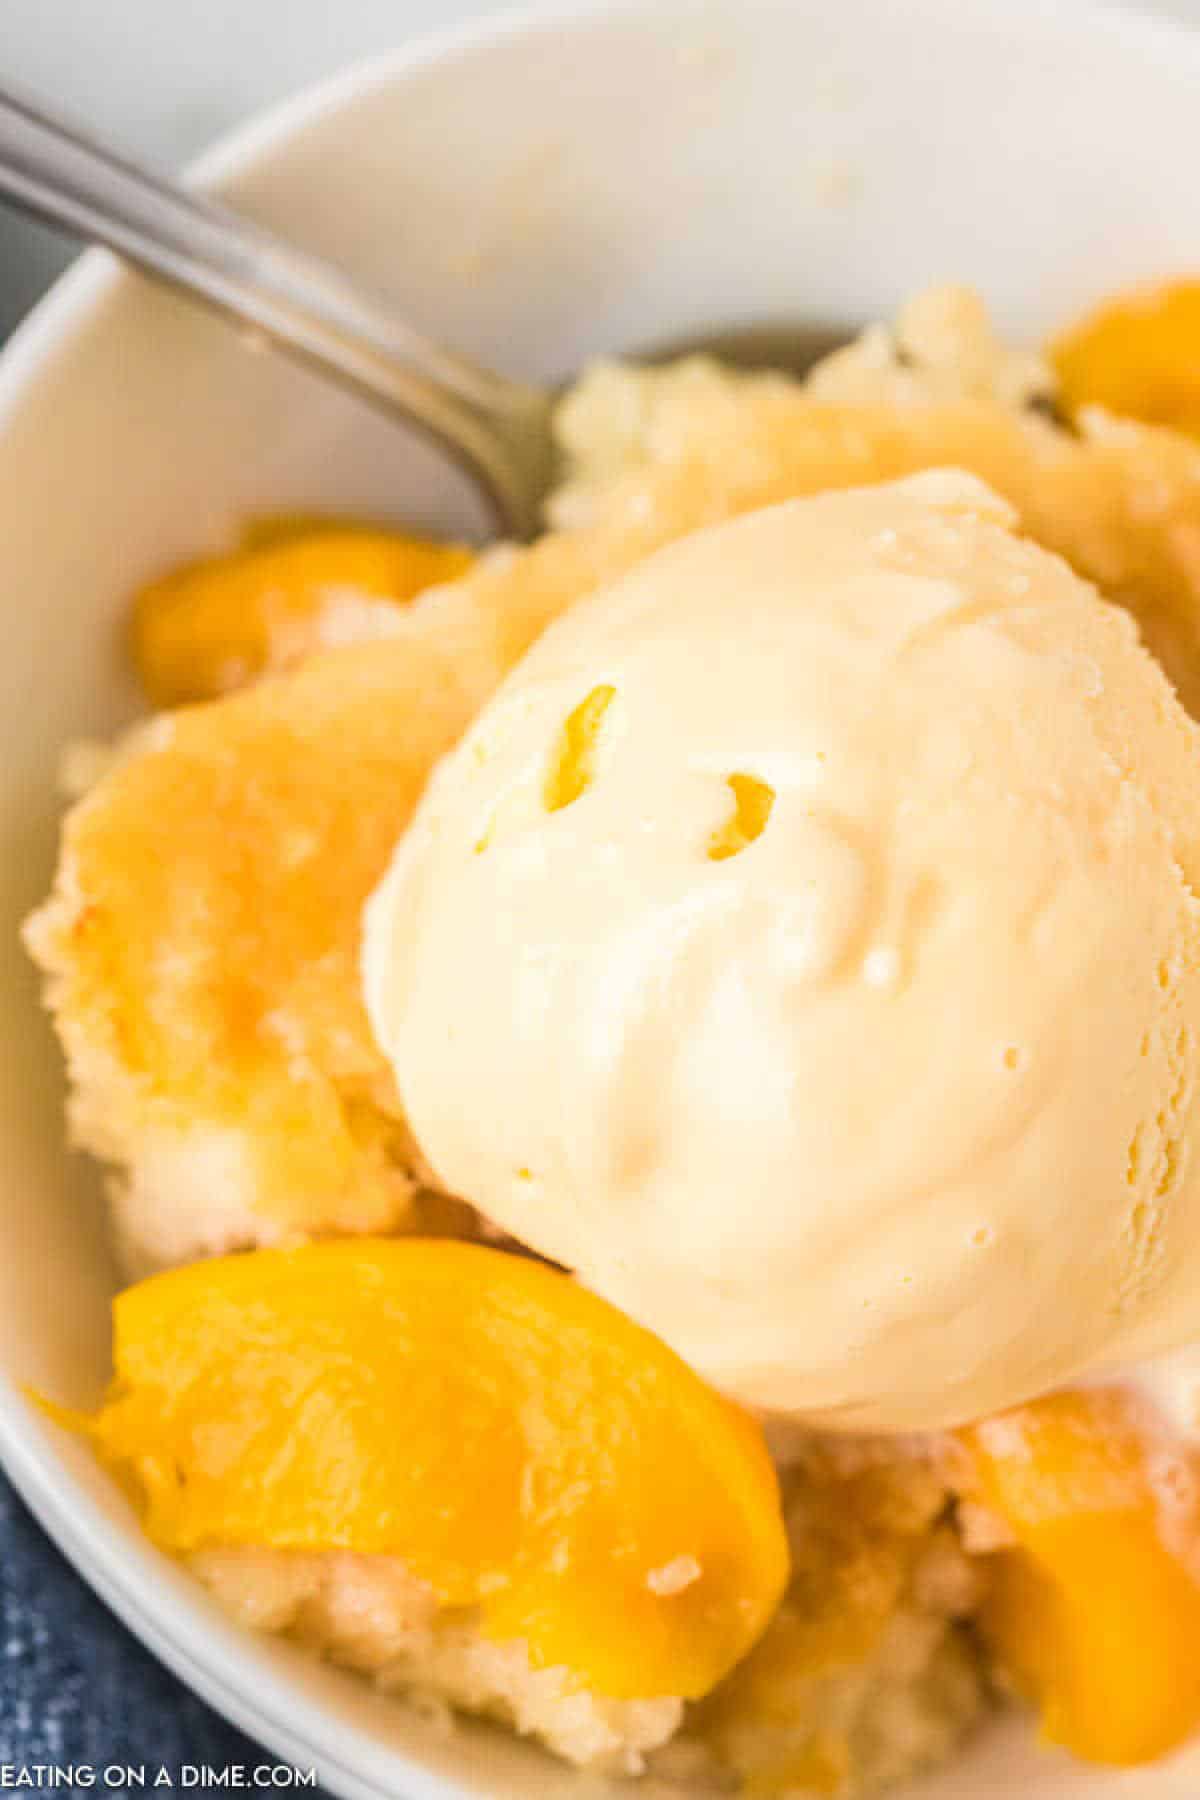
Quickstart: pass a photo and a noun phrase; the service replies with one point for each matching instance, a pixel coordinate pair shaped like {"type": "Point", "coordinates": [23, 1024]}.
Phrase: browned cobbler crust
{"type": "Point", "coordinates": [868, 1672]}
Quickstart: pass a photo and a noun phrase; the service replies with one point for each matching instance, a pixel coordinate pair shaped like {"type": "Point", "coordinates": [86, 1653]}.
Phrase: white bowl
{"type": "Point", "coordinates": [577, 179]}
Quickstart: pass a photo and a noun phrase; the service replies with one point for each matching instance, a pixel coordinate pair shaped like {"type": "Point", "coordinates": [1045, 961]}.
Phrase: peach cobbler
{"type": "Point", "coordinates": [648, 1080]}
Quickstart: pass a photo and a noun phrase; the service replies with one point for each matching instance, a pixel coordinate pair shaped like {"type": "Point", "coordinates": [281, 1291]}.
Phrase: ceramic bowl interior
{"type": "Point", "coordinates": [569, 182]}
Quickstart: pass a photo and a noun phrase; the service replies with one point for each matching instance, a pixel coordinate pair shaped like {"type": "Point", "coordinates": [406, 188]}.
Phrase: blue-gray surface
{"type": "Point", "coordinates": [76, 1689]}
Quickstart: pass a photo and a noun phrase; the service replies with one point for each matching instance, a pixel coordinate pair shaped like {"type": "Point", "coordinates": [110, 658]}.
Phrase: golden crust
{"type": "Point", "coordinates": [202, 945]}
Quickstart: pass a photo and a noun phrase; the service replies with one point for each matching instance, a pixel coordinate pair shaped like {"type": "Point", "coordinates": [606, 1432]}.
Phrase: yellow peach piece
{"type": "Point", "coordinates": [1096, 1610]}
{"type": "Point", "coordinates": [215, 624]}
{"type": "Point", "coordinates": [525, 1448]}
{"type": "Point", "coordinates": [752, 803]}
{"type": "Point", "coordinates": [1137, 355]}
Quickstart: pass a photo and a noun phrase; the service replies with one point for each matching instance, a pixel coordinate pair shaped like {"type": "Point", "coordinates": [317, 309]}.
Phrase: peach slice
{"type": "Point", "coordinates": [1138, 355]}
{"type": "Point", "coordinates": [519, 1443]}
{"type": "Point", "coordinates": [215, 624]}
{"type": "Point", "coordinates": [1096, 1610]}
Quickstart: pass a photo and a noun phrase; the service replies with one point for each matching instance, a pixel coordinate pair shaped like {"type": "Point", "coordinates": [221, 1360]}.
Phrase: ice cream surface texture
{"type": "Point", "coordinates": [803, 945]}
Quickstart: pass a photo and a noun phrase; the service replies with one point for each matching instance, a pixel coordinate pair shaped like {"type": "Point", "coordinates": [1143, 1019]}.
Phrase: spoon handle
{"type": "Point", "coordinates": [498, 428]}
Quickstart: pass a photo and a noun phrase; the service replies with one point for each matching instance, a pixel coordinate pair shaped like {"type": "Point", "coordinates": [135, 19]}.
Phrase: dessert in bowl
{"type": "Point", "coordinates": [655, 1068]}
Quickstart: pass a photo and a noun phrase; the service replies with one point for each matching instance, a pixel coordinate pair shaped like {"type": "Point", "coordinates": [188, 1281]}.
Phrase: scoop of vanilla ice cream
{"type": "Point", "coordinates": [803, 947]}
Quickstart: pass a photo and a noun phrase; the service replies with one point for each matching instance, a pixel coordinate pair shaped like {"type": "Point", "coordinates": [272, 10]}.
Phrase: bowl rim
{"type": "Point", "coordinates": [219, 1661]}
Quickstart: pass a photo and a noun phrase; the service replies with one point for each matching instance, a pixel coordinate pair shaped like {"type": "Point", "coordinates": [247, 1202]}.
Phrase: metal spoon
{"type": "Point", "coordinates": [498, 429]}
